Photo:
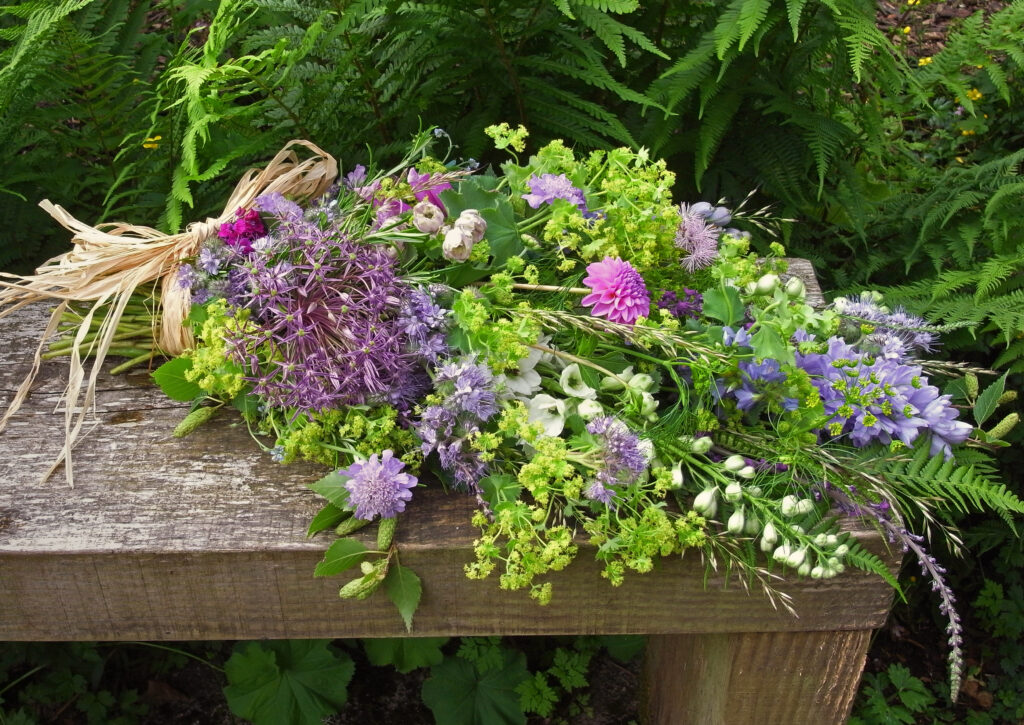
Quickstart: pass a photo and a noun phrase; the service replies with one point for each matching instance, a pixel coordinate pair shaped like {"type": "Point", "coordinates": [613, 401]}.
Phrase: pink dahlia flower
{"type": "Point", "coordinates": [618, 293]}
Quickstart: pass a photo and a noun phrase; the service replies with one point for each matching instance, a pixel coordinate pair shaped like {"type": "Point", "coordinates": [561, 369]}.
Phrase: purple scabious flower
{"type": "Point", "coordinates": [467, 400]}
{"type": "Point", "coordinates": [378, 487]}
{"type": "Point", "coordinates": [325, 332]}
{"type": "Point", "coordinates": [690, 305]}
{"type": "Point", "coordinates": [545, 189]}
{"type": "Point", "coordinates": [881, 399]}
{"type": "Point", "coordinates": [697, 238]}
{"type": "Point", "coordinates": [619, 292]}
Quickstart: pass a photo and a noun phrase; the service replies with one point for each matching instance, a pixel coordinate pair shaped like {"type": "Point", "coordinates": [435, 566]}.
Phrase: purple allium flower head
{"type": "Point", "coordinates": [546, 188]}
{"type": "Point", "coordinates": [618, 293]}
{"type": "Point", "coordinates": [378, 487]}
{"type": "Point", "coordinates": [697, 237]}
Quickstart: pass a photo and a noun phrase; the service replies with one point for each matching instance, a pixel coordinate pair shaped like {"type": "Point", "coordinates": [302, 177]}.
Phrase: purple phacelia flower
{"type": "Point", "coordinates": [378, 487]}
{"type": "Point", "coordinates": [618, 292]}
{"type": "Point", "coordinates": [546, 188]}
{"type": "Point", "coordinates": [623, 460]}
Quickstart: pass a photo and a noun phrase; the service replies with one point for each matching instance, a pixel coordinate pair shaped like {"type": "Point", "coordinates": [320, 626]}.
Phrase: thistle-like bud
{"type": "Point", "coordinates": [733, 492]}
{"type": "Point", "coordinates": [1003, 427]}
{"type": "Point", "coordinates": [706, 503]}
{"type": "Point", "coordinates": [193, 420]}
{"type": "Point", "coordinates": [350, 526]}
{"type": "Point", "coordinates": [386, 532]}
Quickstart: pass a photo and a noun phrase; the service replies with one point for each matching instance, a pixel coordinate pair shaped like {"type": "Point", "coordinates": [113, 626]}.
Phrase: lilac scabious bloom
{"type": "Point", "coordinates": [690, 305]}
{"type": "Point", "coordinates": [881, 399]}
{"type": "Point", "coordinates": [546, 188]}
{"type": "Point", "coordinates": [276, 205]}
{"type": "Point", "coordinates": [618, 293]}
{"type": "Point", "coordinates": [697, 238]}
{"type": "Point", "coordinates": [325, 332]}
{"type": "Point", "coordinates": [896, 335]}
{"type": "Point", "coordinates": [467, 401]}
{"type": "Point", "coordinates": [378, 487]}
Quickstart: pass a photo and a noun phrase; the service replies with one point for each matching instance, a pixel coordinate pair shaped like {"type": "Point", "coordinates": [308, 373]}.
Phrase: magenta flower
{"type": "Point", "coordinates": [240, 233]}
{"type": "Point", "coordinates": [618, 293]}
{"type": "Point", "coordinates": [378, 488]}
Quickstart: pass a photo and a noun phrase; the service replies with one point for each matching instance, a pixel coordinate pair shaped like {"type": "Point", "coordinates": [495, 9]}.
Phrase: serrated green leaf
{"type": "Point", "coordinates": [288, 681]}
{"type": "Point", "coordinates": [500, 487]}
{"type": "Point", "coordinates": [332, 487]}
{"type": "Point", "coordinates": [404, 590]}
{"type": "Point", "coordinates": [342, 555]}
{"type": "Point", "coordinates": [405, 654]}
{"type": "Point", "coordinates": [767, 344]}
{"type": "Point", "coordinates": [326, 518]}
{"type": "Point", "coordinates": [458, 694]}
{"type": "Point", "coordinates": [724, 304]}
{"type": "Point", "coordinates": [986, 403]}
{"type": "Point", "coordinates": [171, 378]}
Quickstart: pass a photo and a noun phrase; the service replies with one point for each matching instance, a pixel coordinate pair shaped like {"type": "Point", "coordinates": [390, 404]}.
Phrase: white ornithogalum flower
{"type": "Point", "coordinates": [548, 411]}
{"type": "Point", "coordinates": [573, 385]}
{"type": "Point", "coordinates": [617, 383]}
{"type": "Point", "coordinates": [589, 409]}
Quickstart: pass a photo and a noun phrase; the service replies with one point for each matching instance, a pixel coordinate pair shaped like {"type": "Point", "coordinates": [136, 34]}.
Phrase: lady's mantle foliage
{"type": "Point", "coordinates": [496, 333]}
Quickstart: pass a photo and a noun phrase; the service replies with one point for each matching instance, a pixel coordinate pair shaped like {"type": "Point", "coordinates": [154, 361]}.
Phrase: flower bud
{"type": "Point", "coordinates": [752, 526]}
{"type": "Point", "coordinates": [641, 382]}
{"type": "Point", "coordinates": [734, 463]}
{"type": "Point", "coordinates": [619, 382]}
{"type": "Point", "coordinates": [767, 546]}
{"type": "Point", "coordinates": [755, 491]}
{"type": "Point", "coordinates": [648, 406]}
{"type": "Point", "coordinates": [386, 532]}
{"type": "Point", "coordinates": [706, 503]}
{"type": "Point", "coordinates": [795, 288]}
{"type": "Point", "coordinates": [746, 472]}
{"type": "Point", "coordinates": [842, 550]}
{"type": "Point", "coordinates": [427, 217]}
{"type": "Point", "coordinates": [472, 223]}
{"type": "Point", "coordinates": [783, 552]}
{"type": "Point", "coordinates": [457, 245]}
{"type": "Point", "coordinates": [820, 540]}
{"type": "Point", "coordinates": [817, 572]}
{"type": "Point", "coordinates": [1004, 426]}
{"type": "Point", "coordinates": [719, 216]}
{"type": "Point", "coordinates": [733, 492]}
{"type": "Point", "coordinates": [971, 385]}
{"type": "Point", "coordinates": [767, 284]}
{"type": "Point", "coordinates": [736, 522]}
{"type": "Point", "coordinates": [796, 558]}
{"type": "Point", "coordinates": [831, 540]}
{"type": "Point", "coordinates": [804, 569]}
{"type": "Point", "coordinates": [788, 506]}
{"type": "Point", "coordinates": [804, 506]}
{"type": "Point", "coordinates": [677, 475]}
{"type": "Point", "coordinates": [769, 534]}
{"type": "Point", "coordinates": [589, 409]}
{"type": "Point", "coordinates": [702, 445]}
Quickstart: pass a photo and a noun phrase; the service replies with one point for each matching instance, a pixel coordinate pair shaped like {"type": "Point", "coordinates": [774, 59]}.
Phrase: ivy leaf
{"type": "Point", "coordinates": [987, 402]}
{"type": "Point", "coordinates": [458, 694]}
{"type": "Point", "coordinates": [405, 654]}
{"type": "Point", "coordinates": [327, 517]}
{"type": "Point", "coordinates": [404, 589]}
{"type": "Point", "coordinates": [332, 487]}
{"type": "Point", "coordinates": [171, 378]}
{"type": "Point", "coordinates": [342, 555]}
{"type": "Point", "coordinates": [288, 681]}
{"type": "Point", "coordinates": [724, 304]}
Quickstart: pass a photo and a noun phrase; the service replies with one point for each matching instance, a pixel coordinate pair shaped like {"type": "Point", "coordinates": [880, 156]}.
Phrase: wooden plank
{"type": "Point", "coordinates": [205, 538]}
{"type": "Point", "coordinates": [798, 678]}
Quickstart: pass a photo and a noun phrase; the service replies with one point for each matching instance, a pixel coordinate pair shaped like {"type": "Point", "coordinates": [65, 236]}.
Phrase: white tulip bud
{"type": "Point", "coordinates": [736, 522]}
{"type": "Point", "coordinates": [733, 492]}
{"type": "Point", "coordinates": [804, 569]}
{"type": "Point", "coordinates": [734, 463]}
{"type": "Point", "coordinates": [706, 503]}
{"type": "Point", "coordinates": [796, 558]}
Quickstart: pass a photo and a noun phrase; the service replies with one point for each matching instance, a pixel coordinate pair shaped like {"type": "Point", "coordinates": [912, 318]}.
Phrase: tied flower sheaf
{"type": "Point", "coordinates": [584, 357]}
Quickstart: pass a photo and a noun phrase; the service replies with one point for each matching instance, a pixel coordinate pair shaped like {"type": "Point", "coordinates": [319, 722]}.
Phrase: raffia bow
{"type": "Point", "coordinates": [109, 261]}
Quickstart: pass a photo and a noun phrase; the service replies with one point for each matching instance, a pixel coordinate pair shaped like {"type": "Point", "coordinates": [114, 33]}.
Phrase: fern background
{"type": "Point", "coordinates": [904, 176]}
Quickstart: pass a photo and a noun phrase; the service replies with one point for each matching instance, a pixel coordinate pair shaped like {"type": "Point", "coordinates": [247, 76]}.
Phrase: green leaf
{"type": "Point", "coordinates": [246, 403]}
{"type": "Point", "coordinates": [724, 304]}
{"type": "Point", "coordinates": [343, 554]}
{"type": "Point", "coordinates": [404, 589]}
{"type": "Point", "coordinates": [405, 653]}
{"type": "Point", "coordinates": [171, 378]}
{"type": "Point", "coordinates": [498, 488]}
{"type": "Point", "coordinates": [986, 403]}
{"type": "Point", "coordinates": [332, 487]}
{"type": "Point", "coordinates": [288, 681]}
{"type": "Point", "coordinates": [458, 694]}
{"type": "Point", "coordinates": [326, 518]}
{"type": "Point", "coordinates": [767, 343]}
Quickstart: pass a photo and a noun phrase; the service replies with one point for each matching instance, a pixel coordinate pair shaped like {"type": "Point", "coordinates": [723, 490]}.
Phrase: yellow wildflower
{"type": "Point", "coordinates": [153, 142]}
{"type": "Point", "coordinates": [959, 159]}
{"type": "Point", "coordinates": [906, 30]}
{"type": "Point", "coordinates": [966, 132]}
{"type": "Point", "coordinates": [924, 61]}
{"type": "Point", "coordinates": [974, 94]}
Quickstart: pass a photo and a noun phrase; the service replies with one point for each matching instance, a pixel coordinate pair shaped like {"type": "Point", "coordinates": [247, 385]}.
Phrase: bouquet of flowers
{"type": "Point", "coordinates": [583, 356]}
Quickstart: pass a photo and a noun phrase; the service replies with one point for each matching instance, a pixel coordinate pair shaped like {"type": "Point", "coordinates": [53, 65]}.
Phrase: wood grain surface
{"type": "Point", "coordinates": [204, 538]}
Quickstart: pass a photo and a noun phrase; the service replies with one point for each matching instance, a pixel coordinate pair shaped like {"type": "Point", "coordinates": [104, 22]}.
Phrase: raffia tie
{"type": "Point", "coordinates": [109, 261]}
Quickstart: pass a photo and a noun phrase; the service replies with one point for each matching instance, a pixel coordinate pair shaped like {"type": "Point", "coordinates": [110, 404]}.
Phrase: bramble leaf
{"type": "Point", "coordinates": [171, 378]}
{"type": "Point", "coordinates": [404, 589]}
{"type": "Point", "coordinates": [342, 555]}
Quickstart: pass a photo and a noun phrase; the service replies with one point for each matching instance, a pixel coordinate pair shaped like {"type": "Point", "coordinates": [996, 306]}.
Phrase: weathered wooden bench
{"type": "Point", "coordinates": [204, 538]}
